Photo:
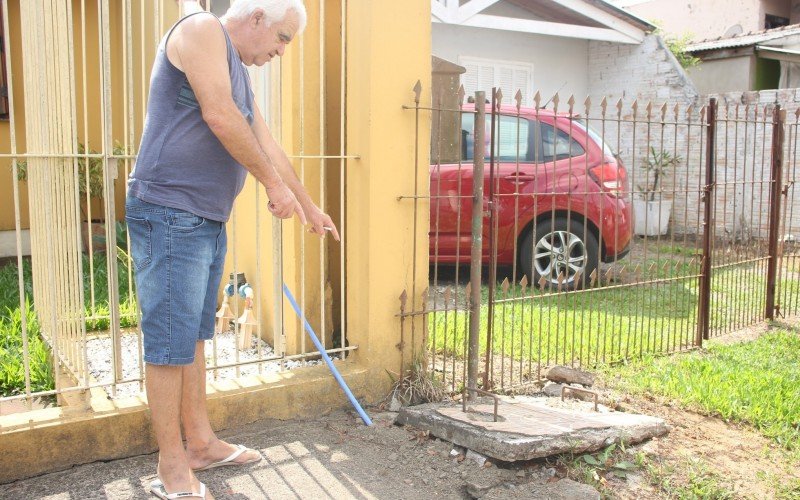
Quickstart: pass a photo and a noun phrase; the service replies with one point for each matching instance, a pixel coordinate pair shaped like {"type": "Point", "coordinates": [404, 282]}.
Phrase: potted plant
{"type": "Point", "coordinates": [94, 175]}
{"type": "Point", "coordinates": [651, 210]}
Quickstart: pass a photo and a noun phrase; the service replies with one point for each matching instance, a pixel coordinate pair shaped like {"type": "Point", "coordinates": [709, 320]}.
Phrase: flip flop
{"type": "Point", "coordinates": [228, 461]}
{"type": "Point", "coordinates": [157, 488]}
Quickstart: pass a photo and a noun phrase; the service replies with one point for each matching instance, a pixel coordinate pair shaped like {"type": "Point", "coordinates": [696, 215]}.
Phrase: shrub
{"type": "Point", "coordinates": [12, 368]}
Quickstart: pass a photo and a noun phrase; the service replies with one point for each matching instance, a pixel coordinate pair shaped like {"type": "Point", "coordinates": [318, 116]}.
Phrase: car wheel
{"type": "Point", "coordinates": [559, 247]}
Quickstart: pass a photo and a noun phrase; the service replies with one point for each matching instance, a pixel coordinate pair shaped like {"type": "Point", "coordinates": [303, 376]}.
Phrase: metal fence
{"type": "Point", "coordinates": [599, 232]}
{"type": "Point", "coordinates": [71, 314]}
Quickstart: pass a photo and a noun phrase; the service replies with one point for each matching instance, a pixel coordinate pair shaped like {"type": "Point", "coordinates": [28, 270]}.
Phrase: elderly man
{"type": "Point", "coordinates": [203, 133]}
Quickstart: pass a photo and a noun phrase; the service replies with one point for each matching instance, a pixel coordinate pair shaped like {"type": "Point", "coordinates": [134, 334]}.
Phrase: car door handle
{"type": "Point", "coordinates": [487, 207]}
{"type": "Point", "coordinates": [520, 177]}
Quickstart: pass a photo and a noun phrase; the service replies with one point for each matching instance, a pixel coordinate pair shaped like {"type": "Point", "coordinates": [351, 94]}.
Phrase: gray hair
{"type": "Point", "coordinates": [274, 10]}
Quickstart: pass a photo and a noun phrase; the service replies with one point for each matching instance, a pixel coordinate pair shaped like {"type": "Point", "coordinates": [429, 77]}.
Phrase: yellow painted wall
{"type": "Point", "coordinates": [128, 87]}
{"type": "Point", "coordinates": [13, 60]}
{"type": "Point", "coordinates": [388, 51]}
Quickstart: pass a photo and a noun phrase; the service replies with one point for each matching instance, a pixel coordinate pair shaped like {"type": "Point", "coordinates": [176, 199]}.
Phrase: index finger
{"type": "Point", "coordinates": [334, 232]}
{"type": "Point", "coordinates": [300, 213]}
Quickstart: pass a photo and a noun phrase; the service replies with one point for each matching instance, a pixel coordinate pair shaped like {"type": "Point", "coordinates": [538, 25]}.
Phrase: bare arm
{"type": "Point", "coordinates": [199, 50]}
{"type": "Point", "coordinates": [318, 219]}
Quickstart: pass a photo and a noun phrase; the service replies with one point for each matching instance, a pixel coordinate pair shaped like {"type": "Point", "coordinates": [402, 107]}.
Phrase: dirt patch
{"type": "Point", "coordinates": [742, 461]}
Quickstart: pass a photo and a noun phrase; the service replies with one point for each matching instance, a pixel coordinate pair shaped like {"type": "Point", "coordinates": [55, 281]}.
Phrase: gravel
{"type": "Point", "coordinates": [99, 354]}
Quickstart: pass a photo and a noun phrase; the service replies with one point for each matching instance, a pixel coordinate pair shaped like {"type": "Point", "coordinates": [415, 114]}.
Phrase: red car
{"type": "Point", "coordinates": [572, 210]}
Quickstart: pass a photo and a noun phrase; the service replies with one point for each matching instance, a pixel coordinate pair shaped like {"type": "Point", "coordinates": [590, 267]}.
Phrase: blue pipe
{"type": "Point", "coordinates": [327, 358]}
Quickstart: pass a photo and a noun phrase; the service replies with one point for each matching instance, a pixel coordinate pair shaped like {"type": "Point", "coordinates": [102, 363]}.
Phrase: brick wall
{"type": "Point", "coordinates": [650, 102]}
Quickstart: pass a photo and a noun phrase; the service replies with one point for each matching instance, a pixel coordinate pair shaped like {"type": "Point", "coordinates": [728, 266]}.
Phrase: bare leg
{"type": "Point", "coordinates": [164, 398]}
{"type": "Point", "coordinates": [202, 445]}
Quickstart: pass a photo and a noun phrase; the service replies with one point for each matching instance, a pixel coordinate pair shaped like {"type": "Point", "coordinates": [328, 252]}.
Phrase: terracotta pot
{"type": "Point", "coordinates": [97, 231]}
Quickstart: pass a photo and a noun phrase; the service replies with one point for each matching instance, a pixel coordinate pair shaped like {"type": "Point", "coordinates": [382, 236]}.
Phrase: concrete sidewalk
{"type": "Point", "coordinates": [333, 456]}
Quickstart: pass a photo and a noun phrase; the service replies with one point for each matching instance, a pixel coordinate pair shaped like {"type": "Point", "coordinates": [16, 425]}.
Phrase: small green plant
{"type": "Point", "coordinates": [700, 481]}
{"type": "Point", "coordinates": [595, 468]}
{"type": "Point", "coordinates": [658, 164]}
{"type": "Point", "coordinates": [90, 179]}
{"type": "Point", "coordinates": [677, 45]}
{"type": "Point", "coordinates": [416, 386]}
{"type": "Point", "coordinates": [12, 368]}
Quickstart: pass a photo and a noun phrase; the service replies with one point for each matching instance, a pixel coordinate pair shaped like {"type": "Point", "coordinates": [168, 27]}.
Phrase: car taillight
{"type": "Point", "coordinates": [611, 176]}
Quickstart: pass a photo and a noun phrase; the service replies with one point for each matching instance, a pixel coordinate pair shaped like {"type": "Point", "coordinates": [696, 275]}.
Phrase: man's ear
{"type": "Point", "coordinates": [258, 17]}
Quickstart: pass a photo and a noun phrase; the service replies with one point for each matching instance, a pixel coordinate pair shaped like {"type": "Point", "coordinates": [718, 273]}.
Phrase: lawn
{"type": "Point", "coordinates": [751, 382]}
{"type": "Point", "coordinates": [647, 313]}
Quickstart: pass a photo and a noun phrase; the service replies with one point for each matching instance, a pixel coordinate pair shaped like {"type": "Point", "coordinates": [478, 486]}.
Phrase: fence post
{"type": "Point", "coordinates": [704, 306]}
{"type": "Point", "coordinates": [774, 209]}
{"type": "Point", "coordinates": [487, 370]}
{"type": "Point", "coordinates": [477, 242]}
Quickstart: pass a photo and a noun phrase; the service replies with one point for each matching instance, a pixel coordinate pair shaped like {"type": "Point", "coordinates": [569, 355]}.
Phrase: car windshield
{"type": "Point", "coordinates": [596, 137]}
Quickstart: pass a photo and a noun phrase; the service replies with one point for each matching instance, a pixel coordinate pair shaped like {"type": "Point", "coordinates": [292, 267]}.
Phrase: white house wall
{"type": "Point", "coordinates": [555, 60]}
{"type": "Point", "coordinates": [724, 75]}
{"type": "Point", "coordinates": [708, 19]}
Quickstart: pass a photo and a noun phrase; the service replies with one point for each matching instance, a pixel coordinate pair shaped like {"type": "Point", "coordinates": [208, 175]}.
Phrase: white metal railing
{"type": "Point", "coordinates": [98, 87]}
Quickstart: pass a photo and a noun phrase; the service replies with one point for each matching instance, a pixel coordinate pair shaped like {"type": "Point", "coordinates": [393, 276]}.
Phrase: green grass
{"type": "Point", "coordinates": [96, 312]}
{"type": "Point", "coordinates": [698, 481]}
{"type": "Point", "coordinates": [755, 383]}
{"type": "Point", "coordinates": [12, 369]}
{"type": "Point", "coordinates": [590, 325]}
{"type": "Point", "coordinates": [607, 324]}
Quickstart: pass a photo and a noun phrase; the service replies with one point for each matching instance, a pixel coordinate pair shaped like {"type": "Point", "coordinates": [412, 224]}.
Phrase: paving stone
{"type": "Point", "coordinates": [567, 375]}
{"type": "Point", "coordinates": [530, 428]}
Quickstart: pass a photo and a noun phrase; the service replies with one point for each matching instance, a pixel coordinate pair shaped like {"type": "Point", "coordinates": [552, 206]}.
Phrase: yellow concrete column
{"type": "Point", "coordinates": [388, 50]}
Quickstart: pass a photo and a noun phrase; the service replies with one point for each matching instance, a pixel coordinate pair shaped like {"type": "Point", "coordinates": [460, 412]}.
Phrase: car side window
{"type": "Point", "coordinates": [467, 136]}
{"type": "Point", "coordinates": [557, 144]}
{"type": "Point", "coordinates": [515, 138]}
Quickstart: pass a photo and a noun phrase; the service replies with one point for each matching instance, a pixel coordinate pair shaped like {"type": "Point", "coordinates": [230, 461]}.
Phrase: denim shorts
{"type": "Point", "coordinates": [178, 259]}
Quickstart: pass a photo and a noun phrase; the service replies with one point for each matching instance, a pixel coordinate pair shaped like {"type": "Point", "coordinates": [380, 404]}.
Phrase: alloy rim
{"type": "Point", "coordinates": [560, 253]}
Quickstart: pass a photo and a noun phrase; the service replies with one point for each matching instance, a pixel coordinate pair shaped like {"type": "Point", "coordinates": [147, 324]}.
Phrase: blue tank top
{"type": "Point", "coordinates": [181, 163]}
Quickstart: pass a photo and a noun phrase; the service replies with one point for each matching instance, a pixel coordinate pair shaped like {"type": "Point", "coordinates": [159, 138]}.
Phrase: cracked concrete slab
{"type": "Point", "coordinates": [531, 427]}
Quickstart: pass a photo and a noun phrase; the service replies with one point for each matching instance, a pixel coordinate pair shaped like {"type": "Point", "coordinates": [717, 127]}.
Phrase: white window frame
{"type": "Point", "coordinates": [498, 64]}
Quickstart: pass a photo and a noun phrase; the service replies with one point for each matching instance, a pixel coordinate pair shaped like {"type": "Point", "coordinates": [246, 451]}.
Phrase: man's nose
{"type": "Point", "coordinates": [281, 49]}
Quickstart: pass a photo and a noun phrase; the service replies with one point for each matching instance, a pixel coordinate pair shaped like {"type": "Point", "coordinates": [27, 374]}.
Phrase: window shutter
{"type": "Point", "coordinates": [522, 82]}
{"type": "Point", "coordinates": [486, 79]}
{"type": "Point", "coordinates": [470, 80]}
{"type": "Point", "coordinates": [505, 81]}
{"type": "Point", "coordinates": [483, 74]}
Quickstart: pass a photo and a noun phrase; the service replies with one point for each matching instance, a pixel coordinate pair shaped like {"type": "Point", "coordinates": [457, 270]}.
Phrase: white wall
{"type": "Point", "coordinates": [704, 19]}
{"type": "Point", "coordinates": [8, 243]}
{"type": "Point", "coordinates": [555, 59]}
{"type": "Point", "coordinates": [724, 75]}
{"type": "Point", "coordinates": [648, 72]}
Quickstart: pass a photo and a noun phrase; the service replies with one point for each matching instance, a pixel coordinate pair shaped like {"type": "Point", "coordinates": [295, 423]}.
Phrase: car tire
{"type": "Point", "coordinates": [562, 246]}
